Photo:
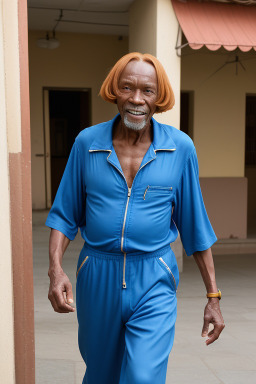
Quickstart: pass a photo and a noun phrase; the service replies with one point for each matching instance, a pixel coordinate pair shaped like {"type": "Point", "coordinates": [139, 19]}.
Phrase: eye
{"type": "Point", "coordinates": [126, 88]}
{"type": "Point", "coordinates": [148, 91]}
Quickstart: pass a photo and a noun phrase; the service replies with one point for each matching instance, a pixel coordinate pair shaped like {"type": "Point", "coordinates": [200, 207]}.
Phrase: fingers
{"type": "Point", "coordinates": [57, 297]}
{"type": "Point", "coordinates": [215, 333]}
{"type": "Point", "coordinates": [55, 306]}
{"type": "Point", "coordinates": [69, 296]}
{"type": "Point", "coordinates": [205, 326]}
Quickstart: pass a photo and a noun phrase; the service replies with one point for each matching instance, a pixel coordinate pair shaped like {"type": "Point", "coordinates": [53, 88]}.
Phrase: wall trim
{"type": "Point", "coordinates": [21, 223]}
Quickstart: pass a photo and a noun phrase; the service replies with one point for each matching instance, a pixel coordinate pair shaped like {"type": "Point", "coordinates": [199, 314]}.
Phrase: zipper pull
{"type": "Point", "coordinates": [144, 197]}
{"type": "Point", "coordinates": [129, 192]}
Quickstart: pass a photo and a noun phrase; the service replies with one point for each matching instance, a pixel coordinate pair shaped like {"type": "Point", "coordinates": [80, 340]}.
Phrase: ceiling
{"type": "Point", "coordinates": [80, 16]}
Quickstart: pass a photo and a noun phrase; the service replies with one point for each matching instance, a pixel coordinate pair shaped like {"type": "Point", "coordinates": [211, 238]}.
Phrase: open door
{"type": "Point", "coordinates": [47, 149]}
{"type": "Point", "coordinates": [250, 162]}
{"type": "Point", "coordinates": [66, 113]}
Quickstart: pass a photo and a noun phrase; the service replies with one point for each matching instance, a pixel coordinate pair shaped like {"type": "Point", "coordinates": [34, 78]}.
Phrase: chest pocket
{"type": "Point", "coordinates": [155, 191]}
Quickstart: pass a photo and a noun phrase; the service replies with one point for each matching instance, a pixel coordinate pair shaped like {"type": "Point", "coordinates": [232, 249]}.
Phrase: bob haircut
{"type": "Point", "coordinates": [109, 89]}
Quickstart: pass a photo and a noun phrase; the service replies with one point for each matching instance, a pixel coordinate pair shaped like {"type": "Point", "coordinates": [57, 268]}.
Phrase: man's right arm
{"type": "Point", "coordinates": [60, 289]}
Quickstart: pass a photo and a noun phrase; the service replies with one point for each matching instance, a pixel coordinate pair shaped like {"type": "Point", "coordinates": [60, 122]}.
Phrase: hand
{"type": "Point", "coordinates": [60, 291]}
{"type": "Point", "coordinates": [212, 314]}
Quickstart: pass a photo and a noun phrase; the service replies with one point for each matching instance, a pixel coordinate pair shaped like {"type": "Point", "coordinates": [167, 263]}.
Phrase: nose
{"type": "Point", "coordinates": [137, 97]}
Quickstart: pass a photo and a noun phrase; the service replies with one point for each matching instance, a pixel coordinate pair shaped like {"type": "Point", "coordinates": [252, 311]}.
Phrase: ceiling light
{"type": "Point", "coordinates": [48, 42]}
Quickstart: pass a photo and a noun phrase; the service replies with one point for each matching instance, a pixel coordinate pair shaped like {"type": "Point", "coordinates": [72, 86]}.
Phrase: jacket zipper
{"type": "Point", "coordinates": [149, 187]}
{"type": "Point", "coordinates": [122, 238]}
{"type": "Point", "coordinates": [124, 222]}
{"type": "Point", "coordinates": [125, 214]}
{"type": "Point", "coordinates": [81, 265]}
{"type": "Point", "coordinates": [169, 270]}
{"type": "Point", "coordinates": [127, 203]}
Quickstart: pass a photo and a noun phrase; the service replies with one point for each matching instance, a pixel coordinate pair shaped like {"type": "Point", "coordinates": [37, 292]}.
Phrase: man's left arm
{"type": "Point", "coordinates": [212, 312]}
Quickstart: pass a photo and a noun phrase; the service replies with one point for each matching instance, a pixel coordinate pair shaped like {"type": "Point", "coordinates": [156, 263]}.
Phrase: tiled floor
{"type": "Point", "coordinates": [231, 360]}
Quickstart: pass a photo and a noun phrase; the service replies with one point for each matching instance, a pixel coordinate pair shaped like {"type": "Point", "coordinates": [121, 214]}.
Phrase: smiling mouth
{"type": "Point", "coordinates": [135, 113]}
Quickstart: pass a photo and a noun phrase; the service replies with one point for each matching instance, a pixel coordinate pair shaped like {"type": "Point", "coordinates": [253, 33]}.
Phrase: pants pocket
{"type": "Point", "coordinates": [82, 266]}
{"type": "Point", "coordinates": [171, 269]}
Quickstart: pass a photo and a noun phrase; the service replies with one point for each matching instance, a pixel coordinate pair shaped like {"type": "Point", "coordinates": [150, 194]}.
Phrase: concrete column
{"type": "Point", "coordinates": [16, 266]}
{"type": "Point", "coordinates": [153, 29]}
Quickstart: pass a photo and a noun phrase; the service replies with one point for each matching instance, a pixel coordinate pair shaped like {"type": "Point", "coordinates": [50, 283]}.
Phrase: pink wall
{"type": "Point", "coordinates": [225, 199]}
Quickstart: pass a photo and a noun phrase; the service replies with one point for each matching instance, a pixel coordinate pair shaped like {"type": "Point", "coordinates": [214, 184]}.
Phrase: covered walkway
{"type": "Point", "coordinates": [231, 360]}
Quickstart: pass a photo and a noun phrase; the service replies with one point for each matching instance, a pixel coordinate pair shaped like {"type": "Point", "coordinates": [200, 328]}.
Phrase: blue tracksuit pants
{"type": "Point", "coordinates": [126, 334]}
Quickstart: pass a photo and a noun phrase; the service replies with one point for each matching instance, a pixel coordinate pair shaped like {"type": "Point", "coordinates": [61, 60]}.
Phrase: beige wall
{"type": "Point", "coordinates": [13, 75]}
{"type": "Point", "coordinates": [219, 133]}
{"type": "Point", "coordinates": [80, 61]}
{"type": "Point", "coordinates": [8, 114]}
{"type": "Point", "coordinates": [219, 108]}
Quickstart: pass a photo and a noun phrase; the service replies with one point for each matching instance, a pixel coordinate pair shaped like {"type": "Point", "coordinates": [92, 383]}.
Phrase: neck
{"type": "Point", "coordinates": [131, 136]}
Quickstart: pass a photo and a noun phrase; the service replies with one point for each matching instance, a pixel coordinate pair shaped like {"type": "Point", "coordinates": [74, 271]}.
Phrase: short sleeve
{"type": "Point", "coordinates": [68, 210]}
{"type": "Point", "coordinates": [189, 214]}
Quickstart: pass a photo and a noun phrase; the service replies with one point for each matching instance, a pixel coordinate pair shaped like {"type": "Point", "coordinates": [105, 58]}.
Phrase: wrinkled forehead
{"type": "Point", "coordinates": [139, 69]}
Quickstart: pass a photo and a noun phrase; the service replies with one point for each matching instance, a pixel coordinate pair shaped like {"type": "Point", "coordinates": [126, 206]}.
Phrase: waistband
{"type": "Point", "coordinates": [129, 255]}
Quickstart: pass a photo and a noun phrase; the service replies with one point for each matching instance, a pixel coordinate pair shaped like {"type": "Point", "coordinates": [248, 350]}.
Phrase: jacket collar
{"type": "Point", "coordinates": [162, 140]}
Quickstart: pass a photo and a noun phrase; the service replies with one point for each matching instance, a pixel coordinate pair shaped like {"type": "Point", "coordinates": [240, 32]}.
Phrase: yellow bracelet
{"type": "Point", "coordinates": [218, 295]}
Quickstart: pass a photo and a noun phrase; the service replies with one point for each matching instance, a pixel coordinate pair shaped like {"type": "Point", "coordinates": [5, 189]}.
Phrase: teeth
{"type": "Point", "coordinates": [136, 112]}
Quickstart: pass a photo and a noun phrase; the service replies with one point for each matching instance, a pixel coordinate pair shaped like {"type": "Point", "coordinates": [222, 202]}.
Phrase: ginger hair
{"type": "Point", "coordinates": [165, 96]}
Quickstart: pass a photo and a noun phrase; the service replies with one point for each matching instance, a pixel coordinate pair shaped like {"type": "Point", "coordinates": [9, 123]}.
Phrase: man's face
{"type": "Point", "coordinates": [137, 94]}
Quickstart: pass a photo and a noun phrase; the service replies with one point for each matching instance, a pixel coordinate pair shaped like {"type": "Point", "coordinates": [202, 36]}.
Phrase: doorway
{"type": "Point", "coordinates": [66, 113]}
{"type": "Point", "coordinates": [187, 112]}
{"type": "Point", "coordinates": [250, 162]}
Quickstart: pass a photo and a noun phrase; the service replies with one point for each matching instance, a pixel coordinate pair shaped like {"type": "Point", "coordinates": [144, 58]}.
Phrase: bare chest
{"type": "Point", "coordinates": [130, 160]}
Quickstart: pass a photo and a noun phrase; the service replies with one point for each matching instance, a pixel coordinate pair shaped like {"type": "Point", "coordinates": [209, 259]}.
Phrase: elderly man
{"type": "Point", "coordinates": [130, 184]}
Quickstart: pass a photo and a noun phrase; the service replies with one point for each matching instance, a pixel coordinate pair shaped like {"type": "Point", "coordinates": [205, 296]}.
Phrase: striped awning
{"type": "Point", "coordinates": [216, 25]}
